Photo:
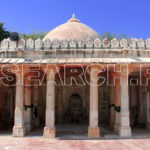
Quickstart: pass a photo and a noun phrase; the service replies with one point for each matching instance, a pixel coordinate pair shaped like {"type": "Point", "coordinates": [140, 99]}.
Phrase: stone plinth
{"type": "Point", "coordinates": [49, 132]}
{"type": "Point", "coordinates": [18, 131]}
{"type": "Point", "coordinates": [125, 131]}
{"type": "Point", "coordinates": [94, 132]}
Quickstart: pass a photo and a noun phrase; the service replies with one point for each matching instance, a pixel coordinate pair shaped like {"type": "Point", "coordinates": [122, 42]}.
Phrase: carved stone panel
{"type": "Point", "coordinates": [30, 44]}
{"type": "Point", "coordinates": [73, 43]}
{"type": "Point", "coordinates": [55, 44]}
{"type": "Point", "coordinates": [106, 43]}
{"type": "Point", "coordinates": [64, 43]}
{"type": "Point", "coordinates": [47, 44]}
{"type": "Point", "coordinates": [38, 44]}
{"type": "Point", "coordinates": [89, 43]}
{"type": "Point", "coordinates": [81, 44]}
{"type": "Point", "coordinates": [4, 44]}
{"type": "Point", "coordinates": [141, 43]}
{"type": "Point", "coordinates": [114, 43]}
{"type": "Point", "coordinates": [12, 45]}
{"type": "Point", "coordinates": [123, 43]}
{"type": "Point", "coordinates": [97, 43]}
{"type": "Point", "coordinates": [148, 43]}
{"type": "Point", "coordinates": [133, 43]}
{"type": "Point", "coordinates": [21, 44]}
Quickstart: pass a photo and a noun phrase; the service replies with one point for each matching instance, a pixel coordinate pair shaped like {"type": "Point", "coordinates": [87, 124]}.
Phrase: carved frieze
{"type": "Point", "coordinates": [114, 43]}
{"type": "Point", "coordinates": [4, 44]}
{"type": "Point", "coordinates": [123, 43]}
{"type": "Point", "coordinates": [147, 42]}
{"type": "Point", "coordinates": [38, 44]}
{"type": "Point", "coordinates": [30, 44]}
{"type": "Point", "coordinates": [133, 43]}
{"type": "Point", "coordinates": [47, 44]}
{"type": "Point", "coordinates": [97, 43]}
{"type": "Point", "coordinates": [81, 44]}
{"type": "Point", "coordinates": [89, 43]}
{"type": "Point", "coordinates": [106, 43]}
{"type": "Point", "coordinates": [12, 45]}
{"type": "Point", "coordinates": [64, 43]}
{"type": "Point", "coordinates": [141, 43]}
{"type": "Point", "coordinates": [21, 44]}
{"type": "Point", "coordinates": [73, 43]}
{"type": "Point", "coordinates": [55, 44]}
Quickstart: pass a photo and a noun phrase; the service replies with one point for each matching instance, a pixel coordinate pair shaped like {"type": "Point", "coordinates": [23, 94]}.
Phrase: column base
{"type": "Point", "coordinates": [49, 132]}
{"type": "Point", "coordinates": [94, 132]}
{"type": "Point", "coordinates": [18, 131]}
{"type": "Point", "coordinates": [125, 131]}
{"type": "Point", "coordinates": [148, 126]}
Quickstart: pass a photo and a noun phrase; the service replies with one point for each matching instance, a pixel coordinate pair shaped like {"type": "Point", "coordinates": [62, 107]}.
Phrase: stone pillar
{"type": "Point", "coordinates": [28, 110]}
{"type": "Point", "coordinates": [93, 130]}
{"type": "Point", "coordinates": [124, 129]}
{"type": "Point", "coordinates": [18, 129]}
{"type": "Point", "coordinates": [49, 130]}
{"type": "Point", "coordinates": [117, 104]}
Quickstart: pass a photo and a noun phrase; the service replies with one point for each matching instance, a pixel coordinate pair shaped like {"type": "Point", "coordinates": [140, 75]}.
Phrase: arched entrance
{"type": "Point", "coordinates": [75, 108]}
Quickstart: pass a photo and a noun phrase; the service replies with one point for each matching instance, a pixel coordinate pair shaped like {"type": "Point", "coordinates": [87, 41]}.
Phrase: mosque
{"type": "Point", "coordinates": [73, 79]}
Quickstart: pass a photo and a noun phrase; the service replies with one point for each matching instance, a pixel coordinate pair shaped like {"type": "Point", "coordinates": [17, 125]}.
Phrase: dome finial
{"type": "Point", "coordinates": [73, 19]}
{"type": "Point", "coordinates": [74, 16]}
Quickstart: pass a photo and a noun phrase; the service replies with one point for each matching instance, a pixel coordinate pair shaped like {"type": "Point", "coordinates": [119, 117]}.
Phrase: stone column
{"type": "Point", "coordinates": [28, 110]}
{"type": "Point", "coordinates": [124, 129]}
{"type": "Point", "coordinates": [117, 105]}
{"type": "Point", "coordinates": [49, 130]}
{"type": "Point", "coordinates": [18, 129]}
{"type": "Point", "coordinates": [93, 130]}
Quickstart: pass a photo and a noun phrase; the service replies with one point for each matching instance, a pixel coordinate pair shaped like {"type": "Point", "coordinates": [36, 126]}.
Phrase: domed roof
{"type": "Point", "coordinates": [73, 29]}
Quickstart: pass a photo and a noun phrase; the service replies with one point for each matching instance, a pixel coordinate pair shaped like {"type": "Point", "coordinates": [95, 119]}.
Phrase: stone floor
{"type": "Point", "coordinates": [73, 137]}
{"type": "Point", "coordinates": [39, 143]}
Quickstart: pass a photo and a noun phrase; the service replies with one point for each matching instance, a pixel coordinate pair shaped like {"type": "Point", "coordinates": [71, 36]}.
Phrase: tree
{"type": "Point", "coordinates": [34, 35]}
{"type": "Point", "coordinates": [111, 35]}
{"type": "Point", "coordinates": [3, 33]}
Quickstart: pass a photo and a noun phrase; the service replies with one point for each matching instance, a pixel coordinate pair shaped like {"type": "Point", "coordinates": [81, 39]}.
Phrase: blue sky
{"type": "Point", "coordinates": [131, 17]}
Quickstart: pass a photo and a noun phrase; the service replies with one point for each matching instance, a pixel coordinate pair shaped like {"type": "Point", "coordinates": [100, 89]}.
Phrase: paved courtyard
{"type": "Point", "coordinates": [40, 143]}
{"type": "Point", "coordinates": [78, 140]}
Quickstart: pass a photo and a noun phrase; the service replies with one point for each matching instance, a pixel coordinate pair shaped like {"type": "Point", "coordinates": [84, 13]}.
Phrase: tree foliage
{"type": "Point", "coordinates": [3, 33]}
{"type": "Point", "coordinates": [111, 35]}
{"type": "Point", "coordinates": [34, 36]}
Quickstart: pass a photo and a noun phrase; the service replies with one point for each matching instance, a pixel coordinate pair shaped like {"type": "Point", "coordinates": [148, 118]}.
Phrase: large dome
{"type": "Point", "coordinates": [73, 29]}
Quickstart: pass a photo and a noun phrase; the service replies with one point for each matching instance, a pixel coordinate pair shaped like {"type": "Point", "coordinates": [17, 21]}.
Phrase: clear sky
{"type": "Point", "coordinates": [131, 17]}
